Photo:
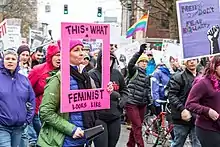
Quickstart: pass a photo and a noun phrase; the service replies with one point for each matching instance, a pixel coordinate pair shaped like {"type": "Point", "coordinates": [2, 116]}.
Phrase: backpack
{"type": "Point", "coordinates": [128, 78]}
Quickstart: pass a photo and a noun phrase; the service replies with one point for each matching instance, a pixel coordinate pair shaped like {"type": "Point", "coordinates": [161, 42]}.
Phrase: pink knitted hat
{"type": "Point", "coordinates": [74, 43]}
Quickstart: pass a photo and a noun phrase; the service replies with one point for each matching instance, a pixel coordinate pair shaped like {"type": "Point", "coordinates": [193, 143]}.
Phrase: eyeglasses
{"type": "Point", "coordinates": [144, 61]}
{"type": "Point", "coordinates": [85, 49]}
{"type": "Point", "coordinates": [150, 55]}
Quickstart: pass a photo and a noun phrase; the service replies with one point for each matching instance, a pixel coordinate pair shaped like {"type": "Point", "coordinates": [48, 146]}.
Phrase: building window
{"type": "Point", "coordinates": [164, 22]}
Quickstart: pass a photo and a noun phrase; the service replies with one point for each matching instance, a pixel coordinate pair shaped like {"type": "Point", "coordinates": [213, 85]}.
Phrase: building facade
{"type": "Point", "coordinates": [157, 26]}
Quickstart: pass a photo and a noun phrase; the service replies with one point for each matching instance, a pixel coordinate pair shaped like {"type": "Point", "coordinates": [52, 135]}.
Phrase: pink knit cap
{"type": "Point", "coordinates": [149, 52]}
{"type": "Point", "coordinates": [74, 43]}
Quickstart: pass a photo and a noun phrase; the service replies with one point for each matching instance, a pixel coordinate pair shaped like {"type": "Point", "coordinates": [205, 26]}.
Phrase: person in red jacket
{"type": "Point", "coordinates": [38, 76]}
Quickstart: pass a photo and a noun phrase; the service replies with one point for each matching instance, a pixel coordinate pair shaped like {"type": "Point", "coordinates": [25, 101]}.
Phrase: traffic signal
{"type": "Point", "coordinates": [99, 14]}
{"type": "Point", "coordinates": [65, 9]}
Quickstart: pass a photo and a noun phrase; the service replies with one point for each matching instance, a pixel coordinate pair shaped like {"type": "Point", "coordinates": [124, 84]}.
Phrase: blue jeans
{"type": "Point", "coordinates": [10, 136]}
{"type": "Point", "coordinates": [24, 138]}
{"type": "Point", "coordinates": [32, 136]}
{"type": "Point", "coordinates": [181, 132]}
{"type": "Point", "coordinates": [37, 124]}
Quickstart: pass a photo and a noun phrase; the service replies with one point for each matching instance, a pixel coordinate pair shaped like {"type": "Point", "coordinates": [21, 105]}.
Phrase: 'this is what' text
{"type": "Point", "coordinates": [81, 29]}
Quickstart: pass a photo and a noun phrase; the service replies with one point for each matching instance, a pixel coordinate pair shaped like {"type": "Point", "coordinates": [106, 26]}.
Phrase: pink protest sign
{"type": "Point", "coordinates": [88, 99]}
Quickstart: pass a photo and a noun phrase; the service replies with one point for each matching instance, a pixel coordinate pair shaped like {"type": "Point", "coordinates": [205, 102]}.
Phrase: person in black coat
{"type": "Point", "coordinates": [139, 95]}
{"type": "Point", "coordinates": [110, 118]}
{"type": "Point", "coordinates": [183, 120]}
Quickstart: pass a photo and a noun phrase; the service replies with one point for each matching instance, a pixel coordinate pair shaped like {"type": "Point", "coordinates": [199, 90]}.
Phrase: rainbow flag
{"type": "Point", "coordinates": [140, 25]}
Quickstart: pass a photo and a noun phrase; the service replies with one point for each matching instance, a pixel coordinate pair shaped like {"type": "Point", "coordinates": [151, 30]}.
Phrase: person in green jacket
{"type": "Point", "coordinates": [65, 129]}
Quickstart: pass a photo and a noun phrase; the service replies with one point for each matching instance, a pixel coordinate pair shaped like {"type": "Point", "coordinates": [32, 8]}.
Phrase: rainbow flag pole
{"type": "Point", "coordinates": [140, 25]}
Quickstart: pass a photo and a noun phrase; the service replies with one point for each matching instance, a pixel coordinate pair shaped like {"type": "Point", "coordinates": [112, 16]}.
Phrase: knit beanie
{"type": "Point", "coordinates": [74, 43]}
{"type": "Point", "coordinates": [149, 52]}
{"type": "Point", "coordinates": [23, 48]}
{"type": "Point", "coordinates": [143, 57]}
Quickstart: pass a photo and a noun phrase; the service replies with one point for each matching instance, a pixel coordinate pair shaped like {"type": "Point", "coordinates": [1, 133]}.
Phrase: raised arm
{"type": "Point", "coordinates": [131, 65]}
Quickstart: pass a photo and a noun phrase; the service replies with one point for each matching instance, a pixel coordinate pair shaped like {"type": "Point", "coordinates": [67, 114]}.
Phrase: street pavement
{"type": "Point", "coordinates": [124, 138]}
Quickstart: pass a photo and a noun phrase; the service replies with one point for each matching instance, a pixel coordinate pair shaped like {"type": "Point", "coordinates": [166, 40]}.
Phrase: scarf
{"type": "Point", "coordinates": [215, 82]}
{"type": "Point", "coordinates": [84, 82]}
{"type": "Point", "coordinates": [83, 79]}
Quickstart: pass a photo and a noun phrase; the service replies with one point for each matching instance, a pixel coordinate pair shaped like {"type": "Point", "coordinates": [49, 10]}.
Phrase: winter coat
{"type": "Point", "coordinates": [39, 73]}
{"type": "Point", "coordinates": [17, 98]}
{"type": "Point", "coordinates": [56, 126]}
{"type": "Point", "coordinates": [151, 65]}
{"type": "Point", "coordinates": [159, 81]}
{"type": "Point", "coordinates": [180, 86]}
{"type": "Point", "coordinates": [139, 87]}
{"type": "Point", "coordinates": [76, 118]}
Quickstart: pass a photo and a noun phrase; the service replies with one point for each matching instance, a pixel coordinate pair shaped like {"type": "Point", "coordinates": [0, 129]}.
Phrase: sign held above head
{"type": "Point", "coordinates": [84, 99]}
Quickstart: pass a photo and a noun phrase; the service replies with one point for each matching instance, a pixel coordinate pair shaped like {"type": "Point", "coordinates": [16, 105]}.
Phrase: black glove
{"type": "Point", "coordinates": [142, 48]}
{"type": "Point", "coordinates": [122, 103]}
{"type": "Point", "coordinates": [152, 109]}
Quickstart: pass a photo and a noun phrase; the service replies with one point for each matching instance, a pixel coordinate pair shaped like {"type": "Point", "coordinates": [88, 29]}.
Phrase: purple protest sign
{"type": "Point", "coordinates": [198, 27]}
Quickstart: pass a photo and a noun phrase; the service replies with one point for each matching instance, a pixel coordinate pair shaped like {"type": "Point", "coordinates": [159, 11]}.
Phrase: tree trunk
{"type": "Point", "coordinates": [173, 23]}
{"type": "Point", "coordinates": [24, 10]}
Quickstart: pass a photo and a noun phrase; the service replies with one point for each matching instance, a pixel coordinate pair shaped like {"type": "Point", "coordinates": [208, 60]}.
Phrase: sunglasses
{"type": "Point", "coordinates": [114, 45]}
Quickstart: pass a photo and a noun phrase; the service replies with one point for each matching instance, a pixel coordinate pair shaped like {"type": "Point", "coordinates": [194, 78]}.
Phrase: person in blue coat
{"type": "Point", "coordinates": [17, 100]}
{"type": "Point", "coordinates": [159, 81]}
{"type": "Point", "coordinates": [151, 65]}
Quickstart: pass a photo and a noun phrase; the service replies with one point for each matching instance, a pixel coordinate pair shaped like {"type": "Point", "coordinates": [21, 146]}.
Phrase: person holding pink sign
{"type": "Point", "coordinates": [110, 118]}
{"type": "Point", "coordinates": [66, 129]}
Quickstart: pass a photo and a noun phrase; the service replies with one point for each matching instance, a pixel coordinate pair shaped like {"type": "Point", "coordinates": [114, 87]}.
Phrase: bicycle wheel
{"type": "Point", "coordinates": [149, 129]}
{"type": "Point", "coordinates": [163, 135]}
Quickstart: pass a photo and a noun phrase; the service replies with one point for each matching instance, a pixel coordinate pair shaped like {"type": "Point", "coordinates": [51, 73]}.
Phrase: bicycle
{"type": "Point", "coordinates": [157, 126]}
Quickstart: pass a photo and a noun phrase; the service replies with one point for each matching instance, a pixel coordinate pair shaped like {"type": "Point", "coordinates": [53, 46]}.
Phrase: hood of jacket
{"type": "Point", "coordinates": [164, 70]}
{"type": "Point", "coordinates": [99, 61]}
{"type": "Point", "coordinates": [51, 51]}
{"type": "Point", "coordinates": [3, 69]}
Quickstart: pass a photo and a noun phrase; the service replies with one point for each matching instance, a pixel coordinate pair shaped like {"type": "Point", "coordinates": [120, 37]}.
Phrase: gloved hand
{"type": "Point", "coordinates": [152, 109]}
{"type": "Point", "coordinates": [122, 103]}
{"type": "Point", "coordinates": [142, 48]}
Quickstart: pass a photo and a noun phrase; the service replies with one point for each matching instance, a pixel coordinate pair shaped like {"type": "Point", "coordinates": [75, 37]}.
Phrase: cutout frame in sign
{"type": "Point", "coordinates": [86, 99]}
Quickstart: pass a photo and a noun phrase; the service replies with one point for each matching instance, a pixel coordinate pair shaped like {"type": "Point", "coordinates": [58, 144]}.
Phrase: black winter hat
{"type": "Point", "coordinates": [23, 48]}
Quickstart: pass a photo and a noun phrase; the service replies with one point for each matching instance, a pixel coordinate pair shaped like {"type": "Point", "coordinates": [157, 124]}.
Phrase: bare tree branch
{"type": "Point", "coordinates": [156, 12]}
{"type": "Point", "coordinates": [163, 7]}
{"type": "Point", "coordinates": [22, 9]}
{"type": "Point", "coordinates": [140, 8]}
{"type": "Point", "coordinates": [157, 18]}
{"type": "Point", "coordinates": [9, 3]}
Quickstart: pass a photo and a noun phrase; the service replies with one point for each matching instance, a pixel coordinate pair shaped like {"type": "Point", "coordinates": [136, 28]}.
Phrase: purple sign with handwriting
{"type": "Point", "coordinates": [199, 22]}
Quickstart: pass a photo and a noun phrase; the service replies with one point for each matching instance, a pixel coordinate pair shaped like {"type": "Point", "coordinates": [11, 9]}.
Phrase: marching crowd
{"type": "Point", "coordinates": [30, 97]}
